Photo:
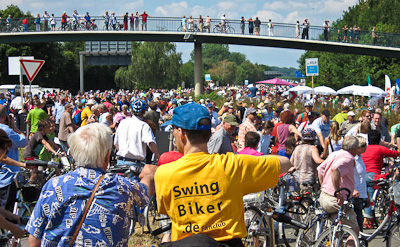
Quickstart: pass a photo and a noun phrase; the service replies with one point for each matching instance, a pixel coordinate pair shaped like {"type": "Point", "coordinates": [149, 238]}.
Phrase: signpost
{"type": "Point", "coordinates": [292, 96]}
{"type": "Point", "coordinates": [208, 77]}
{"type": "Point", "coordinates": [312, 70]}
{"type": "Point", "coordinates": [31, 68]}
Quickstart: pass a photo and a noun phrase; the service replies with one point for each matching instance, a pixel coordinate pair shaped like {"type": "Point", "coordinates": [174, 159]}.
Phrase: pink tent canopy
{"type": "Point", "coordinates": [277, 81]}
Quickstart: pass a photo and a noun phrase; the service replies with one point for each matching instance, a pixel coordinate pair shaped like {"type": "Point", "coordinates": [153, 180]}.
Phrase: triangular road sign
{"type": "Point", "coordinates": [31, 67]}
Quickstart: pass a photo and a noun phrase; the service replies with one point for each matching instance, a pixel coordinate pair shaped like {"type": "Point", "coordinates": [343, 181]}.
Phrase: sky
{"type": "Point", "coordinates": [284, 11]}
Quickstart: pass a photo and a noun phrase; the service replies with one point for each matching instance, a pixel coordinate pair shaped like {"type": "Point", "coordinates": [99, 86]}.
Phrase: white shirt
{"type": "Point", "coordinates": [132, 137]}
{"type": "Point", "coordinates": [16, 103]}
{"type": "Point", "coordinates": [103, 119]}
{"type": "Point", "coordinates": [360, 174]}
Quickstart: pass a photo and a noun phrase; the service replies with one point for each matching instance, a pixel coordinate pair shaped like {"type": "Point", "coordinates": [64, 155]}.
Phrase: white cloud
{"type": "Point", "coordinates": [173, 9]}
{"type": "Point", "coordinates": [265, 15]}
{"type": "Point", "coordinates": [276, 5]}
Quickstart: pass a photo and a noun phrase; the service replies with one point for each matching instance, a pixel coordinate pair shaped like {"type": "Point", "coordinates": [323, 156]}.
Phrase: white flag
{"type": "Point", "coordinates": [388, 90]}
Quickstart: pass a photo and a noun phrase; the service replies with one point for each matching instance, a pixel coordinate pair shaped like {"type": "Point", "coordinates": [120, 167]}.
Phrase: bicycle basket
{"type": "Point", "coordinates": [396, 193]}
{"type": "Point", "coordinates": [254, 197]}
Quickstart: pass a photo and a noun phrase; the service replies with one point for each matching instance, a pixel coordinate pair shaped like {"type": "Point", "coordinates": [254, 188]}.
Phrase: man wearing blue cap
{"type": "Point", "coordinates": [202, 192]}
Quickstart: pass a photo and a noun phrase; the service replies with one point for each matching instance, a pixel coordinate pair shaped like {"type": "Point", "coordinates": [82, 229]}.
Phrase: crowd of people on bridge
{"type": "Point", "coordinates": [212, 148]}
{"type": "Point", "coordinates": [138, 22]}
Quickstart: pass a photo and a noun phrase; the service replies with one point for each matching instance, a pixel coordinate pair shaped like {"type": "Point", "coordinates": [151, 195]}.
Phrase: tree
{"type": "Point", "coordinates": [154, 65]}
{"type": "Point", "coordinates": [187, 73]}
{"type": "Point", "coordinates": [339, 70]}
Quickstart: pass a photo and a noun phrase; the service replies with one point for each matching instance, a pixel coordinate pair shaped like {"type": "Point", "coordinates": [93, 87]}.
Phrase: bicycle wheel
{"type": "Point", "coordinates": [230, 30]}
{"type": "Point", "coordinates": [180, 29]}
{"type": "Point", "coordinates": [154, 220]}
{"type": "Point", "coordinates": [393, 236]}
{"type": "Point", "coordinates": [104, 28]}
{"type": "Point", "coordinates": [259, 229]}
{"type": "Point", "coordinates": [337, 238]}
{"type": "Point", "coordinates": [95, 28]}
{"type": "Point", "coordinates": [297, 212]}
{"type": "Point", "coordinates": [381, 204]}
{"type": "Point", "coordinates": [217, 29]}
{"type": "Point", "coordinates": [306, 238]}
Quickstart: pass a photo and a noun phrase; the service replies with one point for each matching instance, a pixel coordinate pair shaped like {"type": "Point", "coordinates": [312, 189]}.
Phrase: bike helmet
{"type": "Point", "coordinates": [139, 106]}
{"type": "Point", "coordinates": [83, 101]}
{"type": "Point", "coordinates": [309, 134]}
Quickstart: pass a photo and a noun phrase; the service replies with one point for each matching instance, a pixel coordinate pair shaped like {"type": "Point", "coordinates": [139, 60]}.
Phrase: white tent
{"type": "Point", "coordinates": [323, 90]}
{"type": "Point", "coordinates": [349, 89]}
{"type": "Point", "coordinates": [370, 91]}
{"type": "Point", "coordinates": [301, 89]}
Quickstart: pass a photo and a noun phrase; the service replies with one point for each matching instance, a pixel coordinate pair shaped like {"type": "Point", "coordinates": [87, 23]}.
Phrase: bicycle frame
{"type": "Point", "coordinates": [369, 238]}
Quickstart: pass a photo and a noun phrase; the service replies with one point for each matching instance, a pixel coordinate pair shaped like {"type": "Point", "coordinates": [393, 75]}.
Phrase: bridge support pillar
{"type": "Point", "coordinates": [81, 74]}
{"type": "Point", "coordinates": [198, 70]}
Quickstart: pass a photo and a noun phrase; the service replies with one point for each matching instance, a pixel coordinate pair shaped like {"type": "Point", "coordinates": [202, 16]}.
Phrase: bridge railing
{"type": "Point", "coordinates": [174, 24]}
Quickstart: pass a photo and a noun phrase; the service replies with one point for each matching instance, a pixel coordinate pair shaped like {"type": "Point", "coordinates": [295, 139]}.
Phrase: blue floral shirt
{"type": "Point", "coordinates": [62, 202]}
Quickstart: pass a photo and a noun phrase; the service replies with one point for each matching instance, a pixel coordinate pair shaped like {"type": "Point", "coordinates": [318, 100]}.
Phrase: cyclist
{"type": "Point", "coordinates": [336, 172]}
{"type": "Point", "coordinates": [223, 23]}
{"type": "Point", "coordinates": [88, 20]}
{"type": "Point", "coordinates": [76, 19]}
{"type": "Point", "coordinates": [60, 212]}
{"type": "Point", "coordinates": [64, 21]}
{"type": "Point", "coordinates": [202, 192]}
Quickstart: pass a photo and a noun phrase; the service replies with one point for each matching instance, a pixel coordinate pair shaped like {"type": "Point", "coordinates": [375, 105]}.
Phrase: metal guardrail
{"type": "Point", "coordinates": [174, 24]}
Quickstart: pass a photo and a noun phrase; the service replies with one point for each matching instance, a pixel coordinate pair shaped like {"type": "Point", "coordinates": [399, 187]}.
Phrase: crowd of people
{"type": "Point", "coordinates": [136, 21]}
{"type": "Point", "coordinates": [213, 157]}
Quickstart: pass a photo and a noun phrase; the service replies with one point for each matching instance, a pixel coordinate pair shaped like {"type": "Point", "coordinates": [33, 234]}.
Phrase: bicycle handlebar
{"type": "Point", "coordinates": [42, 163]}
{"type": "Point", "coordinates": [161, 230]}
{"type": "Point", "coordinates": [345, 189]}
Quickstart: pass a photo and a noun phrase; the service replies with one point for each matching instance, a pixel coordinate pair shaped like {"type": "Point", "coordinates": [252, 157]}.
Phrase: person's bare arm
{"type": "Point", "coordinates": [285, 164]}
{"type": "Point", "coordinates": [33, 241]}
{"type": "Point", "coordinates": [154, 149]}
{"type": "Point", "coordinates": [294, 130]}
{"type": "Point", "coordinates": [398, 143]}
{"type": "Point", "coordinates": [11, 162]}
{"type": "Point", "coordinates": [321, 138]}
{"type": "Point", "coordinates": [325, 145]}
{"type": "Point", "coordinates": [147, 178]}
{"type": "Point", "coordinates": [71, 129]}
{"type": "Point", "coordinates": [387, 144]}
{"type": "Point", "coordinates": [336, 183]}
{"type": "Point", "coordinates": [315, 155]}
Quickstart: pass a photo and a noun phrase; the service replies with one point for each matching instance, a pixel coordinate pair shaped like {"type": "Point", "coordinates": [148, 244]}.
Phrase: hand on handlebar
{"type": "Point", "coordinates": [340, 199]}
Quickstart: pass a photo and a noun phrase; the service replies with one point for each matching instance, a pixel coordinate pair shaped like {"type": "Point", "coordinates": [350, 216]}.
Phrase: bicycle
{"type": "Point", "coordinates": [261, 207]}
{"type": "Point", "coordinates": [338, 234]}
{"type": "Point", "coordinates": [156, 223]}
{"type": "Point", "coordinates": [218, 28]}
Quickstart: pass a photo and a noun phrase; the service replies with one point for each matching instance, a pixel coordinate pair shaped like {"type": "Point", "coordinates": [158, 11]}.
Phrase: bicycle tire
{"type": "Point", "coordinates": [393, 236]}
{"type": "Point", "coordinates": [180, 29]}
{"type": "Point", "coordinates": [326, 237]}
{"type": "Point", "coordinates": [254, 221]}
{"type": "Point", "coordinates": [306, 238]}
{"type": "Point", "coordinates": [95, 28]}
{"type": "Point", "coordinates": [381, 206]}
{"type": "Point", "coordinates": [231, 30]}
{"type": "Point", "coordinates": [154, 220]}
{"type": "Point", "coordinates": [104, 28]}
{"type": "Point", "coordinates": [216, 29]}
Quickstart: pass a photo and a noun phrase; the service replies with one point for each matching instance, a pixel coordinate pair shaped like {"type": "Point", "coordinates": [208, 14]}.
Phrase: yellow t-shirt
{"type": "Point", "coordinates": [203, 193]}
{"type": "Point", "coordinates": [85, 115]}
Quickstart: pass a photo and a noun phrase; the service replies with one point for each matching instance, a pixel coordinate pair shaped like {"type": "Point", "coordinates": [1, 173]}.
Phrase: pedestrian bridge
{"type": "Point", "coordinates": [198, 37]}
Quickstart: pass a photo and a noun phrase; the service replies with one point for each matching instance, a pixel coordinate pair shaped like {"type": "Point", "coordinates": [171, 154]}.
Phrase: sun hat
{"type": "Point", "coordinates": [230, 119]}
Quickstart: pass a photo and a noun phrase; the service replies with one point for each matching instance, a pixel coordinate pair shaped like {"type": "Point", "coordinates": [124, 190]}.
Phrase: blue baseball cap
{"type": "Point", "coordinates": [188, 116]}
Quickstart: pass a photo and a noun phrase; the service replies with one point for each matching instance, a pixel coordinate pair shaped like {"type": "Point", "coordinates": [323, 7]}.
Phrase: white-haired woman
{"type": "Point", "coordinates": [62, 202]}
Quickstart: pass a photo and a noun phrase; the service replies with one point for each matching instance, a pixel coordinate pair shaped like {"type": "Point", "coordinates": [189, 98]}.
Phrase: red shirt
{"type": "Point", "coordinates": [108, 104]}
{"type": "Point", "coordinates": [275, 133]}
{"type": "Point", "coordinates": [373, 157]}
{"type": "Point", "coordinates": [169, 157]}
{"type": "Point", "coordinates": [144, 17]}
{"type": "Point", "coordinates": [25, 21]}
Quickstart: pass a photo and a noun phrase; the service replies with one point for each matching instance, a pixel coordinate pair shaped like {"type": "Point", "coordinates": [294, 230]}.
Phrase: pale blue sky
{"type": "Point", "coordinates": [286, 11]}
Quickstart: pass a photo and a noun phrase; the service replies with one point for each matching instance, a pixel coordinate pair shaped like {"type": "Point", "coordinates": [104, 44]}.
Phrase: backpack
{"type": "Point", "coordinates": [77, 118]}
